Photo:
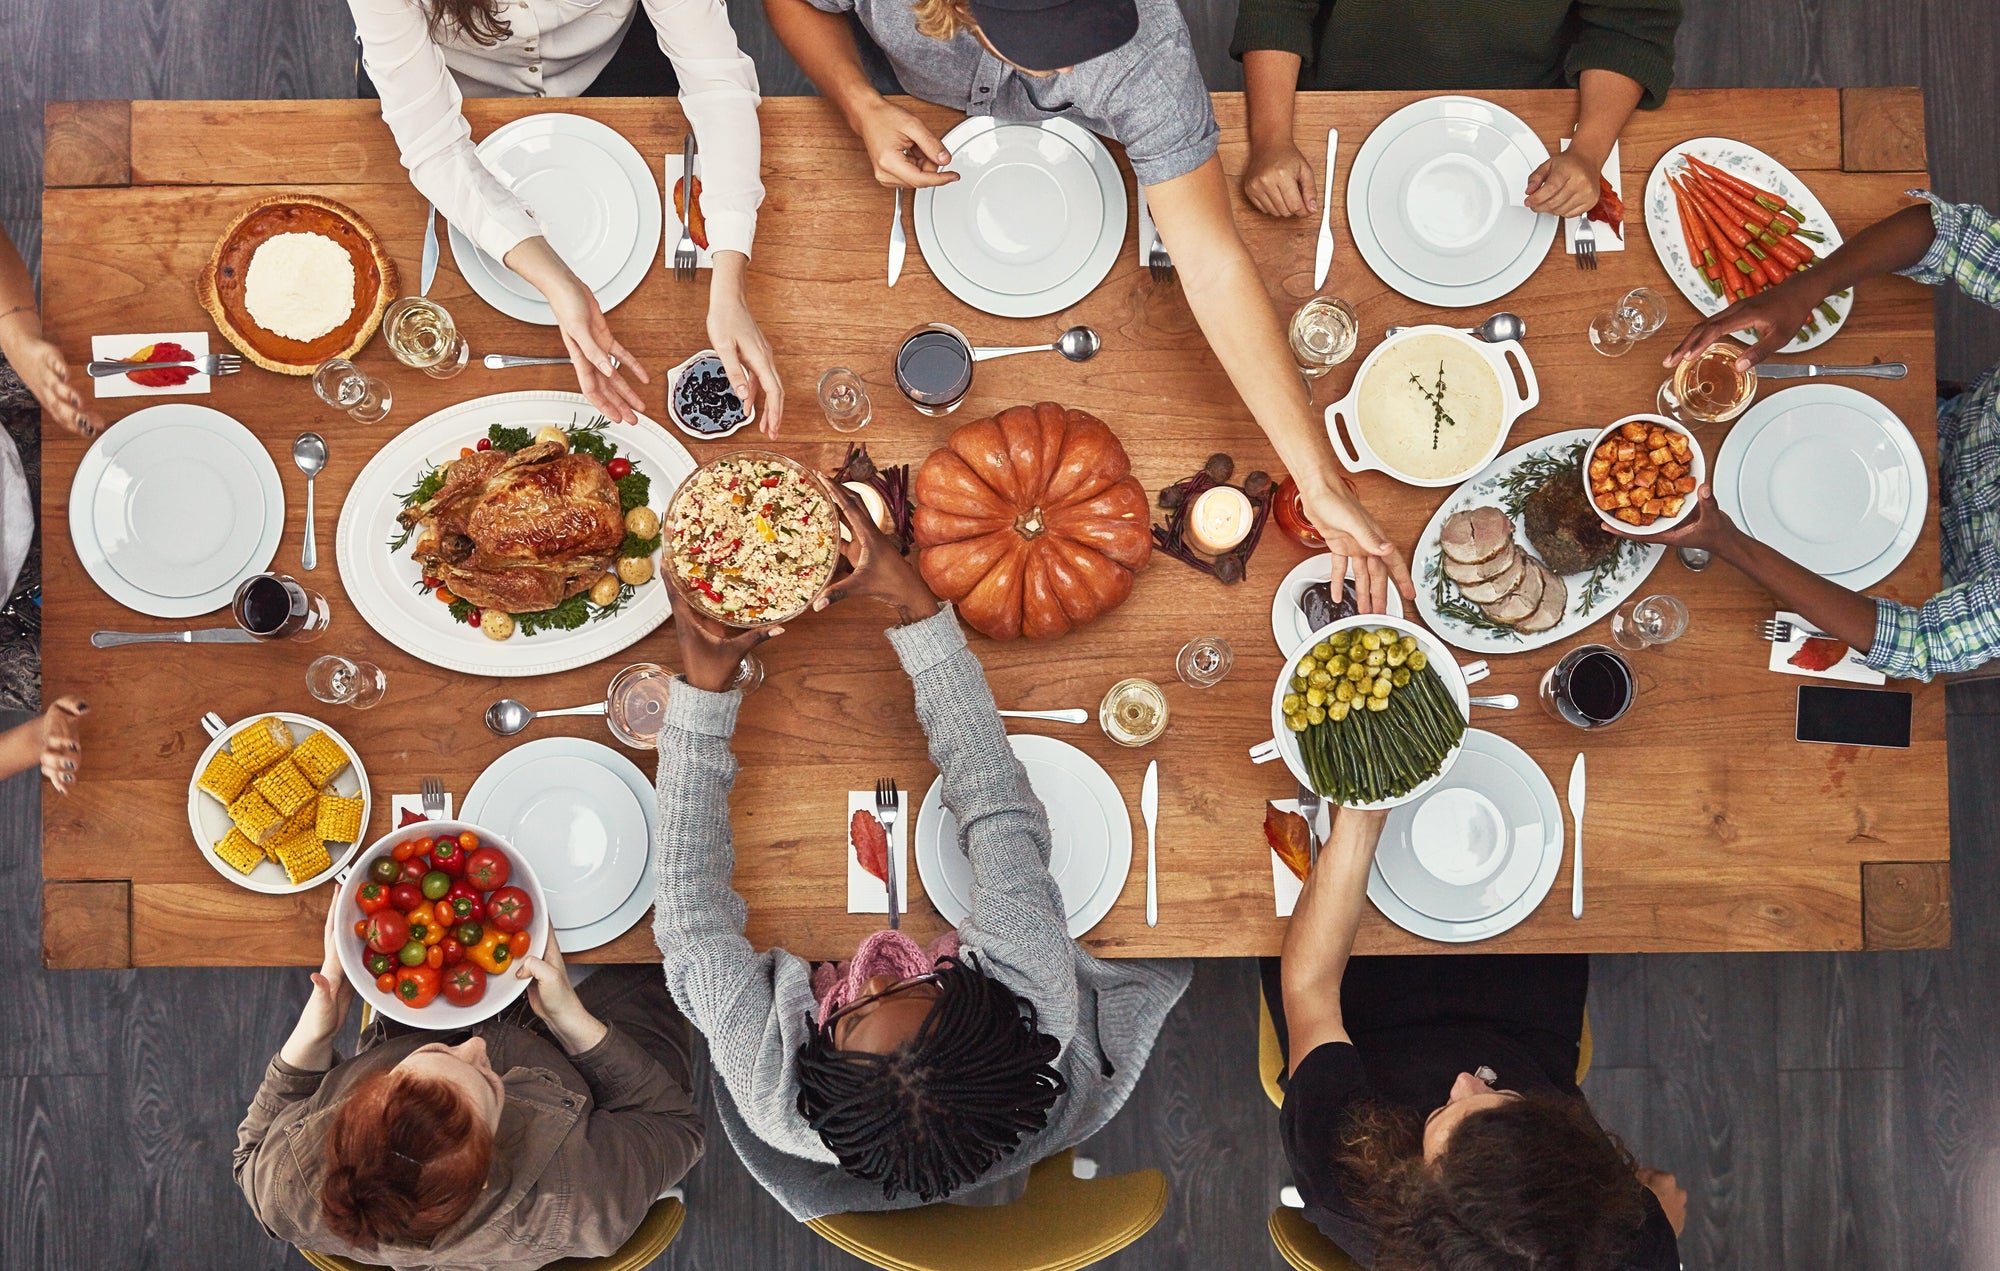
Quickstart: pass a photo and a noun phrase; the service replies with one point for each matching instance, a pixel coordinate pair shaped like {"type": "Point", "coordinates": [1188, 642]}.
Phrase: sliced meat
{"type": "Point", "coordinates": [1555, 603]}
{"type": "Point", "coordinates": [1483, 571]}
{"type": "Point", "coordinates": [1522, 601]}
{"type": "Point", "coordinates": [1476, 534]}
{"type": "Point", "coordinates": [1563, 528]}
{"type": "Point", "coordinates": [1494, 590]}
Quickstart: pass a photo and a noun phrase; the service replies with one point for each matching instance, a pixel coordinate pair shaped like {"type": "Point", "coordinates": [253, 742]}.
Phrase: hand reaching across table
{"type": "Point", "coordinates": [52, 742]}
{"type": "Point", "coordinates": [1353, 538]}
{"type": "Point", "coordinates": [598, 355]}
{"type": "Point", "coordinates": [902, 151]}
{"type": "Point", "coordinates": [740, 343]}
{"type": "Point", "coordinates": [879, 568]}
{"type": "Point", "coordinates": [711, 650]}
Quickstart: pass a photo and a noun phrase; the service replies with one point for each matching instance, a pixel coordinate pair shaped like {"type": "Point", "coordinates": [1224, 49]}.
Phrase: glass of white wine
{"type": "Point", "coordinates": [1708, 388]}
{"type": "Point", "coordinates": [422, 336]}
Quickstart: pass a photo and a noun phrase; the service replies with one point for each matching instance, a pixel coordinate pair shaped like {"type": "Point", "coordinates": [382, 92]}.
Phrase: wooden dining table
{"type": "Point", "coordinates": [1709, 827]}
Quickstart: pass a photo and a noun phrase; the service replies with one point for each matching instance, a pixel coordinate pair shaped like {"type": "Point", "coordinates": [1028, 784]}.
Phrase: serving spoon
{"type": "Point", "coordinates": [309, 452]}
{"type": "Point", "coordinates": [507, 716]}
{"type": "Point", "coordinates": [1078, 344]}
{"type": "Point", "coordinates": [1498, 328]}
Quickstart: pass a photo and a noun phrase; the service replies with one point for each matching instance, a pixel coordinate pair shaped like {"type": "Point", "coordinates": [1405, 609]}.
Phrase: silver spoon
{"type": "Point", "coordinates": [1693, 559]}
{"type": "Point", "coordinates": [1499, 327]}
{"type": "Point", "coordinates": [1073, 715]}
{"type": "Point", "coordinates": [1498, 702]}
{"type": "Point", "coordinates": [309, 452]}
{"type": "Point", "coordinates": [1078, 344]}
{"type": "Point", "coordinates": [507, 716]}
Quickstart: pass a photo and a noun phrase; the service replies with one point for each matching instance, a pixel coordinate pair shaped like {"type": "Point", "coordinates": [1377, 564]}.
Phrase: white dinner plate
{"type": "Point", "coordinates": [1501, 484]}
{"type": "Point", "coordinates": [1090, 850]}
{"type": "Point", "coordinates": [1830, 477]}
{"type": "Point", "coordinates": [560, 159]}
{"type": "Point", "coordinates": [1034, 221]}
{"type": "Point", "coordinates": [1455, 240]}
{"type": "Point", "coordinates": [1663, 225]}
{"type": "Point", "coordinates": [208, 819]}
{"type": "Point", "coordinates": [1487, 842]}
{"type": "Point", "coordinates": [384, 585]}
{"type": "Point", "coordinates": [173, 507]}
{"type": "Point", "coordinates": [522, 758]}
{"type": "Point", "coordinates": [580, 825]}
{"type": "Point", "coordinates": [1288, 621]}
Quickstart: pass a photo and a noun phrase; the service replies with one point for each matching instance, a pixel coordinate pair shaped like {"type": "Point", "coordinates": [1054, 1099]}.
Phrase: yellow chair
{"type": "Point", "coordinates": [656, 1231]}
{"type": "Point", "coordinates": [1303, 1245]}
{"type": "Point", "coordinates": [1061, 1223]}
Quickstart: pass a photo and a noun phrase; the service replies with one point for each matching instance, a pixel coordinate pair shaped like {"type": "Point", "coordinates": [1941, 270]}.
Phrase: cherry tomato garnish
{"type": "Point", "coordinates": [618, 468]}
{"type": "Point", "coordinates": [484, 443]}
{"type": "Point", "coordinates": [386, 982]}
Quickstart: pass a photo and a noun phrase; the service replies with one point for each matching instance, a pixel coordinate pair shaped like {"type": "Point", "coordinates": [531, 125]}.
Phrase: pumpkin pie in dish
{"type": "Point", "coordinates": [295, 280]}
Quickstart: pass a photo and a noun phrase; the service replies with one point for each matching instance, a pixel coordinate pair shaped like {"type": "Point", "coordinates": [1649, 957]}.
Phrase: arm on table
{"type": "Point", "coordinates": [295, 1073]}
{"type": "Point", "coordinates": [1320, 936]}
{"type": "Point", "coordinates": [1570, 181]}
{"type": "Point", "coordinates": [1236, 315]}
{"type": "Point", "coordinates": [1278, 179]}
{"type": "Point", "coordinates": [902, 151]}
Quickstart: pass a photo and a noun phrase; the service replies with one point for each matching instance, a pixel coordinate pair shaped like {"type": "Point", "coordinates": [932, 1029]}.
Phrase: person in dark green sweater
{"type": "Point", "coordinates": [1618, 54]}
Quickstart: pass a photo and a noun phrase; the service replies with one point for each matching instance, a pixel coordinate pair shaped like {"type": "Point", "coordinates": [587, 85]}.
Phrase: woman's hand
{"type": "Point", "coordinates": [711, 651]}
{"type": "Point", "coordinates": [1708, 527]}
{"type": "Point", "coordinates": [1567, 184]}
{"type": "Point", "coordinates": [1775, 315]}
{"type": "Point", "coordinates": [41, 367]}
{"type": "Point", "coordinates": [1352, 537]}
{"type": "Point", "coordinates": [879, 570]}
{"type": "Point", "coordinates": [1672, 1196]}
{"type": "Point", "coordinates": [553, 997]}
{"type": "Point", "coordinates": [745, 353]}
{"type": "Point", "coordinates": [1279, 181]}
{"type": "Point", "coordinates": [62, 742]}
{"type": "Point", "coordinates": [310, 1047]}
{"type": "Point", "coordinates": [598, 355]}
{"type": "Point", "coordinates": [904, 152]}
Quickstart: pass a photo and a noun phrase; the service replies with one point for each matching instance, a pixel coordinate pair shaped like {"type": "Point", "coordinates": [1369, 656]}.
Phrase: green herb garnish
{"type": "Point", "coordinates": [636, 546]}
{"type": "Point", "coordinates": [589, 439]}
{"type": "Point", "coordinates": [1438, 413]}
{"type": "Point", "coordinates": [567, 616]}
{"type": "Point", "coordinates": [423, 491]}
{"type": "Point", "coordinates": [509, 439]}
{"type": "Point", "coordinates": [633, 489]}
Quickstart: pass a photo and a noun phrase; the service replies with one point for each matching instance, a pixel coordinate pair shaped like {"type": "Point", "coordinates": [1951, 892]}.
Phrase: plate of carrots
{"type": "Point", "coordinates": [1729, 221]}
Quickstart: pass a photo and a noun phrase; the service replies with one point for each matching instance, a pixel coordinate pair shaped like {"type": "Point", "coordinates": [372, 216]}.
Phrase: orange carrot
{"type": "Point", "coordinates": [1792, 252]}
{"type": "Point", "coordinates": [1791, 217]}
{"type": "Point", "coordinates": [1735, 234]}
{"type": "Point", "coordinates": [1704, 262]}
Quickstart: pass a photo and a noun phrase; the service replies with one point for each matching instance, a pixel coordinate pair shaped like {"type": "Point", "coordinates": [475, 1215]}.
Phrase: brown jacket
{"type": "Point", "coordinates": [586, 1144]}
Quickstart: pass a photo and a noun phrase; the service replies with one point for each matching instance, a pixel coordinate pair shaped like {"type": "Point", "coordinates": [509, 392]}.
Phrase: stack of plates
{"type": "Point", "coordinates": [1828, 476]}
{"type": "Point", "coordinates": [1477, 853]}
{"type": "Point", "coordinates": [583, 815]}
{"type": "Point", "coordinates": [597, 202]}
{"type": "Point", "coordinates": [175, 507]}
{"type": "Point", "coordinates": [1034, 221]}
{"type": "Point", "coordinates": [1437, 204]}
{"type": "Point", "coordinates": [1090, 852]}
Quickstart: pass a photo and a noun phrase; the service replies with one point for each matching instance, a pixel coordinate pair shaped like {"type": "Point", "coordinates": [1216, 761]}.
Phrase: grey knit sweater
{"type": "Point", "coordinates": [755, 1007]}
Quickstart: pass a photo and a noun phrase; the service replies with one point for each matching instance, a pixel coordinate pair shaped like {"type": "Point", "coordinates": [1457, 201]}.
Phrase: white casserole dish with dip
{"type": "Point", "coordinates": [1432, 405]}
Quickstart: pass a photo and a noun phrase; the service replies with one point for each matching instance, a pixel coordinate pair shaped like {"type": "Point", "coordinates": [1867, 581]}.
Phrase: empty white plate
{"type": "Point", "coordinates": [575, 819]}
{"type": "Point", "coordinates": [1090, 851]}
{"type": "Point", "coordinates": [1477, 853]}
{"type": "Point", "coordinates": [173, 507]}
{"type": "Point", "coordinates": [1828, 476]}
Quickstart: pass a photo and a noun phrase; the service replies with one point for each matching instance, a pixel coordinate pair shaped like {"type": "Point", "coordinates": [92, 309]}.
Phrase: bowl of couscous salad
{"type": "Point", "coordinates": [751, 538]}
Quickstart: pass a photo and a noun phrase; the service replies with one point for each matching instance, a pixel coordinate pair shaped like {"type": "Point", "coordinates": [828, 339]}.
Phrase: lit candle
{"type": "Point", "coordinates": [1220, 519]}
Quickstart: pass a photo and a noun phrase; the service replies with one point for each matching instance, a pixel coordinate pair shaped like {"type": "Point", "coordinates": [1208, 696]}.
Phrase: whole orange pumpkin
{"type": "Point", "coordinates": [1031, 522]}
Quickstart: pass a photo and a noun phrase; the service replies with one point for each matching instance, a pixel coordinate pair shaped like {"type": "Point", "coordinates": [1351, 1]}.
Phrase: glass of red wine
{"type": "Point", "coordinates": [1592, 687]}
{"type": "Point", "coordinates": [276, 607]}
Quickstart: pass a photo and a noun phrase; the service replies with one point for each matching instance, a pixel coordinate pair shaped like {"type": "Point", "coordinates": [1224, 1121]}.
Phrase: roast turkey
{"type": "Point", "coordinates": [519, 532]}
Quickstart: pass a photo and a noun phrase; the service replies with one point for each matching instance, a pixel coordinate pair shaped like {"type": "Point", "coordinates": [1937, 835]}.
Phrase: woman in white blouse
{"type": "Point", "coordinates": [425, 56]}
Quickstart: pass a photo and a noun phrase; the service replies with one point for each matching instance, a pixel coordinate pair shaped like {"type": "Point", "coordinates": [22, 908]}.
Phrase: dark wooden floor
{"type": "Point", "coordinates": [1823, 1111]}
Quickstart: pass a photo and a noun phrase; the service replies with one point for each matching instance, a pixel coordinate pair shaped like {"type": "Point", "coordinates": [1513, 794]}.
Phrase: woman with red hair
{"type": "Point", "coordinates": [532, 1138]}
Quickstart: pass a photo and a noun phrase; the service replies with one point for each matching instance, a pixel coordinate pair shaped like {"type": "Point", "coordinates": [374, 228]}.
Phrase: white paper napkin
{"type": "Point", "coordinates": [1606, 240]}
{"type": "Point", "coordinates": [121, 348]}
{"type": "Point", "coordinates": [1853, 668]}
{"type": "Point", "coordinates": [670, 231]}
{"type": "Point", "coordinates": [1286, 885]}
{"type": "Point", "coordinates": [401, 803]}
{"type": "Point", "coordinates": [866, 893]}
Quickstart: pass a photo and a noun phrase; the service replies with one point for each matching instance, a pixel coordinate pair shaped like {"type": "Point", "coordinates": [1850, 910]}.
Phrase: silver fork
{"type": "Point", "coordinates": [1586, 244]}
{"type": "Point", "coordinates": [433, 794]}
{"type": "Point", "coordinates": [1778, 631]}
{"type": "Point", "coordinates": [886, 811]}
{"type": "Point", "coordinates": [1309, 809]}
{"type": "Point", "coordinates": [206, 364]}
{"type": "Point", "coordinates": [1158, 263]}
{"type": "Point", "coordinates": [684, 250]}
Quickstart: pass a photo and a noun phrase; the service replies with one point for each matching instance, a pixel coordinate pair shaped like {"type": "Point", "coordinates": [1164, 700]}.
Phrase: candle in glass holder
{"type": "Point", "coordinates": [1220, 519]}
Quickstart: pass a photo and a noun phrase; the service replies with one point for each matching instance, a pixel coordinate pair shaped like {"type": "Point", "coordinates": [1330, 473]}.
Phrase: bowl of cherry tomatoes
{"type": "Point", "coordinates": [434, 917]}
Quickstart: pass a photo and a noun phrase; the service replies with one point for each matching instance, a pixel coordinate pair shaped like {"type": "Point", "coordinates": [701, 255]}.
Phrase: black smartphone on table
{"type": "Point", "coordinates": [1854, 716]}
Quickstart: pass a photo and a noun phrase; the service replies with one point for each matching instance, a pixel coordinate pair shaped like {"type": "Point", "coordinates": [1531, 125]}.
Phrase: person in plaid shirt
{"type": "Point", "coordinates": [1959, 628]}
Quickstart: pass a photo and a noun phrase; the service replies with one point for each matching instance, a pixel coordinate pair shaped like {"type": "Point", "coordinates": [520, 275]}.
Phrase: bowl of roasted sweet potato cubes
{"type": "Point", "coordinates": [1641, 474]}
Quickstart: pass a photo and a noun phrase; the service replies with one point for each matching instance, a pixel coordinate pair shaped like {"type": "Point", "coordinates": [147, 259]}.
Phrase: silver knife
{"type": "Point", "coordinates": [428, 270]}
{"type": "Point", "coordinates": [200, 635]}
{"type": "Point", "coordinates": [1576, 861]}
{"type": "Point", "coordinates": [1323, 259]}
{"type": "Point", "coordinates": [1149, 807]}
{"type": "Point", "coordinates": [1802, 371]}
{"type": "Point", "coordinates": [896, 245]}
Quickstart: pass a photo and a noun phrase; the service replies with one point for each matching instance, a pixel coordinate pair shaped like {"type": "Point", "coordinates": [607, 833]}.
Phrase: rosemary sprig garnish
{"type": "Point", "coordinates": [1439, 415]}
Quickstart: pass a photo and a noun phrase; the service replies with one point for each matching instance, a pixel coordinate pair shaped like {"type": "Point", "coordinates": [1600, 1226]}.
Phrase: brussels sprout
{"type": "Point", "coordinates": [1299, 683]}
{"type": "Point", "coordinates": [1376, 657]}
{"type": "Point", "coordinates": [1370, 641]}
{"type": "Point", "coordinates": [1343, 692]}
{"type": "Point", "coordinates": [1394, 655]}
{"type": "Point", "coordinates": [1338, 666]}
{"type": "Point", "coordinates": [1408, 644]}
{"type": "Point", "coordinates": [1291, 703]}
{"type": "Point", "coordinates": [1418, 660]}
{"type": "Point", "coordinates": [1315, 715]}
{"type": "Point", "coordinates": [1378, 703]}
{"type": "Point", "coordinates": [1356, 670]}
{"type": "Point", "coordinates": [1296, 722]}
{"type": "Point", "coordinates": [1322, 650]}
{"type": "Point", "coordinates": [1307, 665]}
{"type": "Point", "coordinates": [1320, 678]}
{"type": "Point", "coordinates": [1338, 711]}
{"type": "Point", "coordinates": [1401, 676]}
{"type": "Point", "coordinates": [1315, 696]}
{"type": "Point", "coordinates": [1382, 688]}
{"type": "Point", "coordinates": [1341, 639]}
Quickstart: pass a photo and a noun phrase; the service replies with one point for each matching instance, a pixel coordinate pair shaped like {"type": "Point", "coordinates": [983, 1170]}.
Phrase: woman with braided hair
{"type": "Point", "coordinates": [906, 1074]}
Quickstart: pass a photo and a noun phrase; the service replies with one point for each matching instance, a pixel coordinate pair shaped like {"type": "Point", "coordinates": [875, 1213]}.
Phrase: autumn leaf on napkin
{"type": "Point", "coordinates": [871, 844]}
{"type": "Point", "coordinates": [1286, 833]}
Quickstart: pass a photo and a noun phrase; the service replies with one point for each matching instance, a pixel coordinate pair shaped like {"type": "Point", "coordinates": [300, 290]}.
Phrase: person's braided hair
{"type": "Point", "coordinates": [936, 1113]}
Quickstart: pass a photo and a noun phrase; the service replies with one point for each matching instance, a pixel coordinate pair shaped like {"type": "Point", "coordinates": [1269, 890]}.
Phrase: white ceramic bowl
{"type": "Point", "coordinates": [1698, 469]}
{"type": "Point", "coordinates": [208, 819]}
{"type": "Point", "coordinates": [440, 1015]}
{"type": "Point", "coordinates": [1286, 742]}
{"type": "Point", "coordinates": [1504, 356]}
{"type": "Point", "coordinates": [674, 413]}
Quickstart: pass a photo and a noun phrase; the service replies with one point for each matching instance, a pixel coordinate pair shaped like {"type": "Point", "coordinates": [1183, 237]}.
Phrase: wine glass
{"type": "Point", "coordinates": [344, 386]}
{"type": "Point", "coordinates": [340, 681]}
{"type": "Point", "coordinates": [844, 399]}
{"type": "Point", "coordinates": [1205, 661]}
{"type": "Point", "coordinates": [1638, 314]}
{"type": "Point", "coordinates": [1323, 334]}
{"type": "Point", "coordinates": [1708, 388]}
{"type": "Point", "coordinates": [1640, 624]}
{"type": "Point", "coordinates": [422, 335]}
{"type": "Point", "coordinates": [276, 607]}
